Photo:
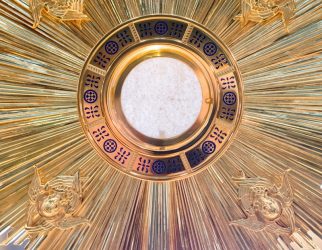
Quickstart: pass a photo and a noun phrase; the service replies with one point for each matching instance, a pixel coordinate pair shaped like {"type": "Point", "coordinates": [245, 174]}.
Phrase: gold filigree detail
{"type": "Point", "coordinates": [266, 206]}
{"type": "Point", "coordinates": [262, 10]}
{"type": "Point", "coordinates": [53, 204]}
{"type": "Point", "coordinates": [63, 10]}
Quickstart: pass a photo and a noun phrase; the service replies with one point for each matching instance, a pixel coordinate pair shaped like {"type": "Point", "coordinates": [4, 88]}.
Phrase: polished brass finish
{"type": "Point", "coordinates": [53, 204]}
{"type": "Point", "coordinates": [134, 153]}
{"type": "Point", "coordinates": [266, 204]}
{"type": "Point", "coordinates": [63, 10]}
{"type": "Point", "coordinates": [125, 64]}
{"type": "Point", "coordinates": [280, 129]}
{"type": "Point", "coordinates": [263, 10]}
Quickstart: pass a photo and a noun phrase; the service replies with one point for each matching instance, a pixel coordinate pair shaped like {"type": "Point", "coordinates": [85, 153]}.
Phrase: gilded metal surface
{"type": "Point", "coordinates": [262, 10]}
{"type": "Point", "coordinates": [53, 204]}
{"type": "Point", "coordinates": [280, 129]}
{"type": "Point", "coordinates": [63, 10]}
{"type": "Point", "coordinates": [101, 84]}
{"type": "Point", "coordinates": [312, 242]}
{"type": "Point", "coordinates": [266, 204]}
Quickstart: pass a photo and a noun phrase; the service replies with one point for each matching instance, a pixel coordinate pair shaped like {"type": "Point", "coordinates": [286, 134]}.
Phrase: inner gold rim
{"type": "Point", "coordinates": [115, 82]}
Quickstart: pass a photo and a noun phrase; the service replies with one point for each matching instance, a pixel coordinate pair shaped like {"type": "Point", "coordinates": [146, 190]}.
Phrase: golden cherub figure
{"type": "Point", "coordinates": [261, 10]}
{"type": "Point", "coordinates": [64, 10]}
{"type": "Point", "coordinates": [266, 206]}
{"type": "Point", "coordinates": [52, 204]}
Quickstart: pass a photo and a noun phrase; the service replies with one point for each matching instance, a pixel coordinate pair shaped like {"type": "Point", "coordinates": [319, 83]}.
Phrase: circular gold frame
{"type": "Point", "coordinates": [117, 141]}
{"type": "Point", "coordinates": [123, 67]}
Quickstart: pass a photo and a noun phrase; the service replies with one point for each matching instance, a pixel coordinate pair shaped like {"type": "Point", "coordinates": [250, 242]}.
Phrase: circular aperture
{"type": "Point", "coordinates": [161, 97]}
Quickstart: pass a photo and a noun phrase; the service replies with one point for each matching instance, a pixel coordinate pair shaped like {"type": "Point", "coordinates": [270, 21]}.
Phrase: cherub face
{"type": "Point", "coordinates": [270, 208]}
{"type": "Point", "coordinates": [50, 205]}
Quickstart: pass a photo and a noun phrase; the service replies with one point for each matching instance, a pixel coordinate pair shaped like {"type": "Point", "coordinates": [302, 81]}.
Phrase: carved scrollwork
{"type": "Point", "coordinates": [267, 206]}
{"type": "Point", "coordinates": [53, 204]}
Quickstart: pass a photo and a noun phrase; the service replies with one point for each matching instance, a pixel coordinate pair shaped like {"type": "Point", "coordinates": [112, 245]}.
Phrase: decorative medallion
{"type": "Point", "coordinates": [100, 88]}
{"type": "Point", "coordinates": [262, 10]}
{"type": "Point", "coordinates": [267, 206]}
{"type": "Point", "coordinates": [63, 10]}
{"type": "Point", "coordinates": [53, 204]}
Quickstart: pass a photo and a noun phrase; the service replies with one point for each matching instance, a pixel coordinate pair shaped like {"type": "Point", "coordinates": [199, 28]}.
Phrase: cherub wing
{"type": "Point", "coordinates": [288, 215]}
{"type": "Point", "coordinates": [285, 189]}
{"type": "Point", "coordinates": [77, 183]}
{"type": "Point", "coordinates": [72, 221]}
{"type": "Point", "coordinates": [246, 7]}
{"type": "Point", "coordinates": [43, 227]}
{"type": "Point", "coordinates": [287, 13]}
{"type": "Point", "coordinates": [36, 7]}
{"type": "Point", "coordinates": [249, 223]}
{"type": "Point", "coordinates": [245, 11]}
{"type": "Point", "coordinates": [277, 229]}
{"type": "Point", "coordinates": [32, 213]}
{"type": "Point", "coordinates": [254, 13]}
{"type": "Point", "coordinates": [73, 15]}
{"type": "Point", "coordinates": [63, 183]}
{"type": "Point", "coordinates": [70, 11]}
{"type": "Point", "coordinates": [253, 224]}
{"type": "Point", "coordinates": [35, 186]}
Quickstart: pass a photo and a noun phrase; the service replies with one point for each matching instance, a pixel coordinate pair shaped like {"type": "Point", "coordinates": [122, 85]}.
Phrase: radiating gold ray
{"type": "Point", "coordinates": [281, 129]}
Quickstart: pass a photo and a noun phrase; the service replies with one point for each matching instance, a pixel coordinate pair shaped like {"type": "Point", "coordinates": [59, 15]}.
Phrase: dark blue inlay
{"type": "Point", "coordinates": [176, 30]}
{"type": "Point", "coordinates": [208, 147]}
{"type": "Point", "coordinates": [92, 112]}
{"type": "Point", "coordinates": [227, 113]}
{"type": "Point", "coordinates": [144, 165]}
{"type": "Point", "coordinates": [90, 96]}
{"type": "Point", "coordinates": [122, 155]}
{"type": "Point", "coordinates": [210, 49]}
{"type": "Point", "coordinates": [195, 157]}
{"type": "Point", "coordinates": [197, 38]}
{"type": "Point", "coordinates": [159, 167]}
{"type": "Point", "coordinates": [101, 60]}
{"type": "Point", "coordinates": [219, 61]}
{"type": "Point", "coordinates": [111, 47]}
{"type": "Point", "coordinates": [229, 98]}
{"type": "Point", "coordinates": [124, 37]}
{"type": "Point", "coordinates": [228, 82]}
{"type": "Point", "coordinates": [110, 146]}
{"type": "Point", "coordinates": [174, 165]}
{"type": "Point", "coordinates": [145, 29]}
{"type": "Point", "coordinates": [92, 81]}
{"type": "Point", "coordinates": [161, 28]}
{"type": "Point", "coordinates": [100, 133]}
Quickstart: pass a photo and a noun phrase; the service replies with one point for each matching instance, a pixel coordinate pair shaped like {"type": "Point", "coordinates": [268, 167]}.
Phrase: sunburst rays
{"type": "Point", "coordinates": [281, 129]}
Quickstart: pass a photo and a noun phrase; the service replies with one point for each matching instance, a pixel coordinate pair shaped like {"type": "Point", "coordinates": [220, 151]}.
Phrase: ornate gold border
{"type": "Point", "coordinates": [134, 145]}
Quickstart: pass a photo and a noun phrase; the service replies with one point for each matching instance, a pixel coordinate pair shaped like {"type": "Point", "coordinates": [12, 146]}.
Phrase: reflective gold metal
{"type": "Point", "coordinates": [125, 64]}
{"type": "Point", "coordinates": [100, 90]}
{"type": "Point", "coordinates": [263, 10]}
{"type": "Point", "coordinates": [267, 206]}
{"type": "Point", "coordinates": [53, 204]}
{"type": "Point", "coordinates": [281, 129]}
{"type": "Point", "coordinates": [63, 10]}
